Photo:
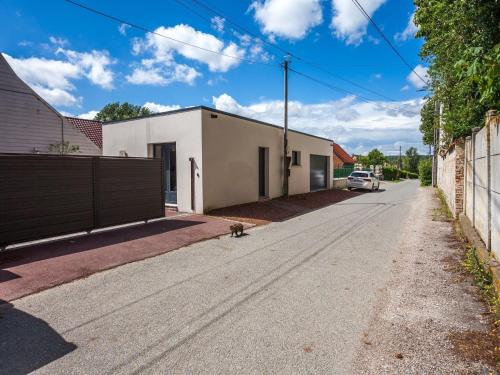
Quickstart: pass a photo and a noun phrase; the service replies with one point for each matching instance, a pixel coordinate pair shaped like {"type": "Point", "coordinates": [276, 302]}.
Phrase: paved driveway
{"type": "Point", "coordinates": [290, 297]}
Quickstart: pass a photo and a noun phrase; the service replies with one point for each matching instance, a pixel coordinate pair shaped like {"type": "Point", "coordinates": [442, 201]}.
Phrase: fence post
{"type": "Point", "coordinates": [489, 116]}
{"type": "Point", "coordinates": [95, 190]}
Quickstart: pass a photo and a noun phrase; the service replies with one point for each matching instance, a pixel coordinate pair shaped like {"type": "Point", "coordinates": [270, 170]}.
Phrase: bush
{"type": "Point", "coordinates": [408, 174]}
{"type": "Point", "coordinates": [390, 173]}
{"type": "Point", "coordinates": [425, 172]}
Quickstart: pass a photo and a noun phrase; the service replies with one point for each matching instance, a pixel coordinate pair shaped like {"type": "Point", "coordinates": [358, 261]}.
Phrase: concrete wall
{"type": "Point", "coordinates": [230, 159]}
{"type": "Point", "coordinates": [446, 177]}
{"type": "Point", "coordinates": [482, 182]}
{"type": "Point", "coordinates": [136, 137]}
{"type": "Point", "coordinates": [28, 124]}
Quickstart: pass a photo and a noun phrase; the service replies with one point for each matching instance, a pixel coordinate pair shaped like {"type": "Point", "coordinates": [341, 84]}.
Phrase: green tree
{"type": "Point", "coordinates": [425, 171]}
{"type": "Point", "coordinates": [462, 50]}
{"type": "Point", "coordinates": [374, 157]}
{"type": "Point", "coordinates": [121, 111]}
{"type": "Point", "coordinates": [411, 160]}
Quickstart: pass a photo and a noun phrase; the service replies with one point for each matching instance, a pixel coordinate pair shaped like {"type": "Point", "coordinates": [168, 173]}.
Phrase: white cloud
{"type": "Point", "coordinates": [377, 76]}
{"type": "Point", "coordinates": [53, 79]}
{"type": "Point", "coordinates": [122, 29]}
{"type": "Point", "coordinates": [290, 19]}
{"type": "Point", "coordinates": [93, 65]}
{"type": "Point", "coordinates": [405, 88]}
{"type": "Point", "coordinates": [164, 49]}
{"type": "Point", "coordinates": [154, 107]}
{"type": "Point", "coordinates": [357, 125]}
{"type": "Point", "coordinates": [88, 115]}
{"type": "Point", "coordinates": [408, 32]}
{"type": "Point", "coordinates": [57, 96]}
{"type": "Point", "coordinates": [151, 73]}
{"type": "Point", "coordinates": [415, 80]}
{"type": "Point", "coordinates": [348, 22]}
{"type": "Point", "coordinates": [60, 42]}
{"type": "Point", "coordinates": [218, 23]}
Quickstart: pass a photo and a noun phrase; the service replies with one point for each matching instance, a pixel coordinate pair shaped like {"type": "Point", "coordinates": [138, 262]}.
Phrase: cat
{"type": "Point", "coordinates": [236, 229]}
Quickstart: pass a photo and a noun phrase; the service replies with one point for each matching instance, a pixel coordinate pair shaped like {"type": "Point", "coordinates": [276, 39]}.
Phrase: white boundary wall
{"type": "Point", "coordinates": [482, 182]}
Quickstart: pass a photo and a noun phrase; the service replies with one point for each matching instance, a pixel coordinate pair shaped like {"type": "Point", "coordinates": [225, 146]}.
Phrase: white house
{"type": "Point", "coordinates": [216, 159]}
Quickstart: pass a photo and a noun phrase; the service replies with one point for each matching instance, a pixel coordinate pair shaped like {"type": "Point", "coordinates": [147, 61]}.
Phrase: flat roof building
{"type": "Point", "coordinates": [216, 159]}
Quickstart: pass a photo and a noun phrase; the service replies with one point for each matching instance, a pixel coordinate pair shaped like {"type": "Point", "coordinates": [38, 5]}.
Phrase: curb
{"type": "Point", "coordinates": [489, 262]}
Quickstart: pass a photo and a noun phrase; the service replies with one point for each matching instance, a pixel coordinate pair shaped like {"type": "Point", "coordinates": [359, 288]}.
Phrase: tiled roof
{"type": "Point", "coordinates": [91, 128]}
{"type": "Point", "coordinates": [342, 154]}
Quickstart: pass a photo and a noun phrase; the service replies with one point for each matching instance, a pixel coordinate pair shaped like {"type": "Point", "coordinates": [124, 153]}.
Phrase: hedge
{"type": "Point", "coordinates": [425, 172]}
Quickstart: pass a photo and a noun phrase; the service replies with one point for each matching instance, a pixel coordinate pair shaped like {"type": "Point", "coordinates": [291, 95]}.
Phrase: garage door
{"type": "Point", "coordinates": [318, 170]}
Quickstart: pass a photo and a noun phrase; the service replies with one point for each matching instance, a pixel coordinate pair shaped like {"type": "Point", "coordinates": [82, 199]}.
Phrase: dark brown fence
{"type": "Point", "coordinates": [45, 195]}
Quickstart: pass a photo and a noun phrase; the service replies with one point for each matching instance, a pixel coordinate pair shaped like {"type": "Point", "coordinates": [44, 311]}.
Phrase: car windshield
{"type": "Point", "coordinates": [359, 174]}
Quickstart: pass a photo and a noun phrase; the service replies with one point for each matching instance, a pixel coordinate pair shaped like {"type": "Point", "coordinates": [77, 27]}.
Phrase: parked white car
{"type": "Point", "coordinates": [363, 180]}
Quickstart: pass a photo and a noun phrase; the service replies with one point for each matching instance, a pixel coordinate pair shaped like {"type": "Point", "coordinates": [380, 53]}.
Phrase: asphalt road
{"type": "Point", "coordinates": [290, 297]}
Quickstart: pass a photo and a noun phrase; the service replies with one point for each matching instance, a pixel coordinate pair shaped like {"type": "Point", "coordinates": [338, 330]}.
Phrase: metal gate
{"type": "Point", "coordinates": [51, 195]}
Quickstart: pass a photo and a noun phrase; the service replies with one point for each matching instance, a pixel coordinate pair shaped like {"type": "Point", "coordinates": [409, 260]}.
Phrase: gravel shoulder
{"type": "Point", "coordinates": [429, 318]}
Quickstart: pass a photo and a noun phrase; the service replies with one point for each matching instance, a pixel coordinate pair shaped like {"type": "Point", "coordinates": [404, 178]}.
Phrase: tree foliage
{"type": "Point", "coordinates": [374, 157]}
{"type": "Point", "coordinates": [411, 160]}
{"type": "Point", "coordinates": [121, 111]}
{"type": "Point", "coordinates": [462, 50]}
{"type": "Point", "coordinates": [425, 171]}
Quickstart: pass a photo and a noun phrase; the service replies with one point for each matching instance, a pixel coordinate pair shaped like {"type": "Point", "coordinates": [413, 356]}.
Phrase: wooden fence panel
{"type": "Point", "coordinates": [49, 195]}
{"type": "Point", "coordinates": [128, 190]}
{"type": "Point", "coordinates": [43, 196]}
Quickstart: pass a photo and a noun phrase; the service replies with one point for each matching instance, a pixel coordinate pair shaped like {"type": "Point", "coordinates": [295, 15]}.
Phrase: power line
{"type": "Point", "coordinates": [389, 43]}
{"type": "Point", "coordinates": [315, 65]}
{"type": "Point", "coordinates": [340, 89]}
{"type": "Point", "coordinates": [238, 26]}
{"type": "Point", "coordinates": [145, 29]}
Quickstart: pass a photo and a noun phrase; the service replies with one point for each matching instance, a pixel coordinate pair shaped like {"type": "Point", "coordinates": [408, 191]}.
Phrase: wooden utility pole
{"type": "Point", "coordinates": [285, 132]}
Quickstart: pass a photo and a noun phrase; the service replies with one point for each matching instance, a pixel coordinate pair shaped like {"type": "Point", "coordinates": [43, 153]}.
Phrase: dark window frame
{"type": "Point", "coordinates": [296, 158]}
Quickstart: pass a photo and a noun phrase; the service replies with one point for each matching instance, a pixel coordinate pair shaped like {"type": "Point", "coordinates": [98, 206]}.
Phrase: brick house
{"type": "Point", "coordinates": [341, 159]}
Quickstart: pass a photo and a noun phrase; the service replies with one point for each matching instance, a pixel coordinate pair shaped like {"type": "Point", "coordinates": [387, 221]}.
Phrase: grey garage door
{"type": "Point", "coordinates": [318, 172]}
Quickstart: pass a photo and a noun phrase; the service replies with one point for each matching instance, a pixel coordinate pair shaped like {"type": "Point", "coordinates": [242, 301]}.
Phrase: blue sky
{"type": "Point", "coordinates": [79, 61]}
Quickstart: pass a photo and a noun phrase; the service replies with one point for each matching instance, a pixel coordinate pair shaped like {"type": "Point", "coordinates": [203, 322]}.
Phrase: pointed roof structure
{"type": "Point", "coordinates": [29, 124]}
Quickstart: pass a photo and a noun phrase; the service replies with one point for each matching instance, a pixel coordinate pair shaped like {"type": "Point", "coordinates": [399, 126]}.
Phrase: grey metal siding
{"type": "Point", "coordinates": [27, 122]}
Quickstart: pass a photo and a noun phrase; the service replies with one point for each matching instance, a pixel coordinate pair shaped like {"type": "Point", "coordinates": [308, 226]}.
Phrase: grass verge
{"type": "Point", "coordinates": [442, 213]}
{"type": "Point", "coordinates": [474, 345]}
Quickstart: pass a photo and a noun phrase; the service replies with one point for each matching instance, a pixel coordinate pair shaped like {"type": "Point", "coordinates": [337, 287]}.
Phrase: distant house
{"type": "Point", "coordinates": [341, 159]}
{"type": "Point", "coordinates": [28, 124]}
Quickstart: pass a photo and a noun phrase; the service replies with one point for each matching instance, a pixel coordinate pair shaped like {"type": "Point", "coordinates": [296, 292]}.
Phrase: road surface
{"type": "Point", "coordinates": [290, 297]}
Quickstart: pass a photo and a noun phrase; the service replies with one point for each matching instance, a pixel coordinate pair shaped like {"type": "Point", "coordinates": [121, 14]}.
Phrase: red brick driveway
{"type": "Point", "coordinates": [35, 268]}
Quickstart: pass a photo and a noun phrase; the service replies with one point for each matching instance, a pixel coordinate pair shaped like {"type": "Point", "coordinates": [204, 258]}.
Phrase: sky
{"type": "Point", "coordinates": [80, 61]}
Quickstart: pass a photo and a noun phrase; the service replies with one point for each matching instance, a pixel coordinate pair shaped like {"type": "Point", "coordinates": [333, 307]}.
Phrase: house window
{"type": "Point", "coordinates": [295, 157]}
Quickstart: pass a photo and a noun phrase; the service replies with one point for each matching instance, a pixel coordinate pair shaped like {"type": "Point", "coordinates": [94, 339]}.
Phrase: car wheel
{"type": "Point", "coordinates": [349, 188]}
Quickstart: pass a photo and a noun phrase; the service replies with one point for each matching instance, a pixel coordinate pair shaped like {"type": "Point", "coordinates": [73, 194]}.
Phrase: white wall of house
{"type": "Point", "coordinates": [226, 152]}
{"type": "Point", "coordinates": [136, 138]}
{"type": "Point", "coordinates": [230, 159]}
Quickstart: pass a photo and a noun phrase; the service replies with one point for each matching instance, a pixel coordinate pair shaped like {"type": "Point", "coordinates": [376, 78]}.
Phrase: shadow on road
{"type": "Point", "coordinates": [281, 209]}
{"type": "Point", "coordinates": [26, 342]}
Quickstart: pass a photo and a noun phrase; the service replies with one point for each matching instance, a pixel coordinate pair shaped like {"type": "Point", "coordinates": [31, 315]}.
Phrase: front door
{"type": "Point", "coordinates": [167, 152]}
{"type": "Point", "coordinates": [263, 172]}
{"type": "Point", "coordinates": [318, 172]}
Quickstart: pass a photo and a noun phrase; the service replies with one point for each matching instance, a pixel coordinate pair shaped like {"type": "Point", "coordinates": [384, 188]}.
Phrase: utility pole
{"type": "Point", "coordinates": [285, 131]}
{"type": "Point", "coordinates": [400, 166]}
